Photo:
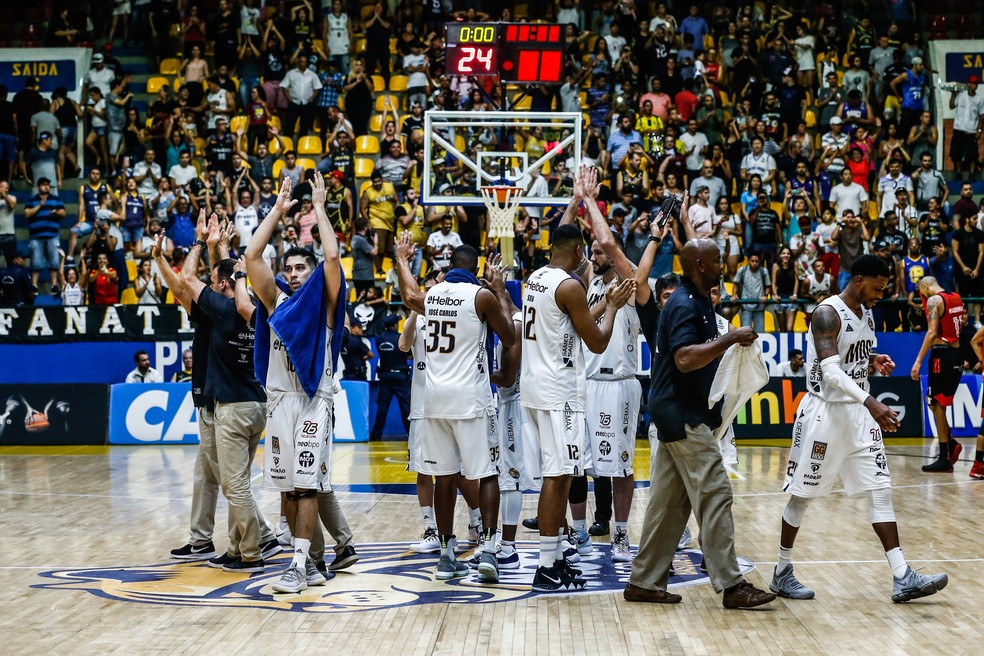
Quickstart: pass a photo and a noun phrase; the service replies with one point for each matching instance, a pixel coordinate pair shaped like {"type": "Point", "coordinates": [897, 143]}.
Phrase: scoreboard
{"type": "Point", "coordinates": [524, 53]}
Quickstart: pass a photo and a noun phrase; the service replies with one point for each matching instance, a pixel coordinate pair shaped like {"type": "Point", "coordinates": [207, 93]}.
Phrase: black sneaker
{"type": "Point", "coordinates": [940, 465]}
{"type": "Point", "coordinates": [346, 559]}
{"type": "Point", "coordinates": [270, 549]}
{"type": "Point", "coordinates": [555, 579]}
{"type": "Point", "coordinates": [531, 523]}
{"type": "Point", "coordinates": [194, 552]}
{"type": "Point", "coordinates": [702, 566]}
{"type": "Point", "coordinates": [220, 561]}
{"type": "Point", "coordinates": [599, 528]}
{"type": "Point", "coordinates": [55, 291]}
{"type": "Point", "coordinates": [240, 565]}
{"type": "Point", "coordinates": [320, 564]}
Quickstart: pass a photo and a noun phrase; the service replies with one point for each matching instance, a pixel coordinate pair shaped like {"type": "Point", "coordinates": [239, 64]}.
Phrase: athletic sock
{"type": "Point", "coordinates": [508, 546]}
{"type": "Point", "coordinates": [548, 549]}
{"type": "Point", "coordinates": [622, 526]}
{"type": "Point", "coordinates": [580, 525]}
{"type": "Point", "coordinates": [897, 562]}
{"type": "Point", "coordinates": [490, 539]}
{"type": "Point", "coordinates": [785, 559]}
{"type": "Point", "coordinates": [979, 456]}
{"type": "Point", "coordinates": [428, 513]}
{"type": "Point", "coordinates": [474, 516]}
{"type": "Point", "coordinates": [301, 549]}
{"type": "Point", "coordinates": [447, 544]}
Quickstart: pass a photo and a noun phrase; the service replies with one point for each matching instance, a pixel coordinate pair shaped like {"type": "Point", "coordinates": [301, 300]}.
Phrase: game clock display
{"type": "Point", "coordinates": [515, 52]}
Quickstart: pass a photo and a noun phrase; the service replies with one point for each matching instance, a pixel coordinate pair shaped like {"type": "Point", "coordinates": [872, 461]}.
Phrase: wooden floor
{"type": "Point", "coordinates": [87, 532]}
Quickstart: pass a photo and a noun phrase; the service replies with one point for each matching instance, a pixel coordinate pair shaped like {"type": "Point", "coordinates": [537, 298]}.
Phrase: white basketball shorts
{"type": "Point", "coordinates": [559, 434]}
{"type": "Point", "coordinates": [469, 446]}
{"type": "Point", "coordinates": [612, 414]}
{"type": "Point", "coordinates": [520, 466]}
{"type": "Point", "coordinates": [297, 455]}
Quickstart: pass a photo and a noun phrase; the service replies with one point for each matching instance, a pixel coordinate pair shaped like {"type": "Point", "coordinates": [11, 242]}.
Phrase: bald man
{"type": "Point", "coordinates": [689, 473]}
{"type": "Point", "coordinates": [945, 316]}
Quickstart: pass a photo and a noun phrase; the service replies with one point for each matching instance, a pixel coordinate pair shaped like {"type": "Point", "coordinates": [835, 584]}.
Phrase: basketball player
{"type": "Point", "coordinates": [555, 321]}
{"type": "Point", "coordinates": [459, 427]}
{"type": "Point", "coordinates": [299, 420]}
{"type": "Point", "coordinates": [945, 316]}
{"type": "Point", "coordinates": [838, 430]}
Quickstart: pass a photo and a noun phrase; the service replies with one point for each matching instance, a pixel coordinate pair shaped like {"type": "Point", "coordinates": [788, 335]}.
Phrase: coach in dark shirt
{"type": "Point", "coordinates": [689, 472]}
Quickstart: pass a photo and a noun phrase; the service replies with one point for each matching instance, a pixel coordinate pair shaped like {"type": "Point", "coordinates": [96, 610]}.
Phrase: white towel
{"type": "Point", "coordinates": [741, 374]}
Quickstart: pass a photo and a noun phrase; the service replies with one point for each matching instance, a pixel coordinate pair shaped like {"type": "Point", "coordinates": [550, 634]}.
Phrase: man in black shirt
{"type": "Point", "coordinates": [766, 231]}
{"type": "Point", "coordinates": [394, 377]}
{"type": "Point", "coordinates": [689, 470]}
{"type": "Point", "coordinates": [15, 283]}
{"type": "Point", "coordinates": [355, 353]}
{"type": "Point", "coordinates": [240, 402]}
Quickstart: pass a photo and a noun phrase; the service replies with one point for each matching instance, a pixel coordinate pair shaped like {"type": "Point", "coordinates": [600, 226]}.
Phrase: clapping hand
{"type": "Point", "coordinates": [158, 246]}
{"type": "Point", "coordinates": [214, 231]}
{"type": "Point", "coordinates": [619, 293]}
{"type": "Point", "coordinates": [318, 190]}
{"type": "Point", "coordinates": [406, 248]}
{"type": "Point", "coordinates": [201, 228]}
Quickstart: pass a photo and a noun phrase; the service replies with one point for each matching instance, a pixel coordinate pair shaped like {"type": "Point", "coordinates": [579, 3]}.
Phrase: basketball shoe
{"type": "Point", "coordinates": [429, 542]}
{"type": "Point", "coordinates": [450, 567]}
{"type": "Point", "coordinates": [556, 578]}
{"type": "Point", "coordinates": [954, 448]}
{"type": "Point", "coordinates": [293, 580]}
{"type": "Point", "coordinates": [977, 471]}
{"type": "Point", "coordinates": [685, 539]}
{"type": "Point", "coordinates": [488, 568]}
{"type": "Point", "coordinates": [913, 585]}
{"type": "Point", "coordinates": [621, 550]}
{"type": "Point", "coordinates": [202, 551]}
{"type": "Point", "coordinates": [313, 575]}
{"type": "Point", "coordinates": [787, 585]}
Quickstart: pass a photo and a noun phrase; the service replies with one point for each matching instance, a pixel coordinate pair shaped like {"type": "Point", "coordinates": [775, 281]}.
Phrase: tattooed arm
{"type": "Point", "coordinates": [934, 309]}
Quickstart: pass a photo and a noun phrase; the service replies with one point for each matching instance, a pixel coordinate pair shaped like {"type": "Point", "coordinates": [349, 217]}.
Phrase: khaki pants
{"type": "Point", "coordinates": [205, 489]}
{"type": "Point", "coordinates": [238, 428]}
{"type": "Point", "coordinates": [331, 516]}
{"type": "Point", "coordinates": [689, 475]}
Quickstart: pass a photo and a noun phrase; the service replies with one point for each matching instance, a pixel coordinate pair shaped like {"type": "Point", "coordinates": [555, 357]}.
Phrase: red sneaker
{"type": "Point", "coordinates": [977, 471]}
{"type": "Point", "coordinates": [955, 448]}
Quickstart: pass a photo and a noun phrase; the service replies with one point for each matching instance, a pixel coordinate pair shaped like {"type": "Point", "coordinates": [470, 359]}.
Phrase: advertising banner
{"type": "Point", "coordinates": [165, 414]}
{"type": "Point", "coordinates": [772, 411]}
{"type": "Point", "coordinates": [52, 324]}
{"type": "Point", "coordinates": [52, 415]}
{"type": "Point", "coordinates": [964, 416]}
{"type": "Point", "coordinates": [51, 67]}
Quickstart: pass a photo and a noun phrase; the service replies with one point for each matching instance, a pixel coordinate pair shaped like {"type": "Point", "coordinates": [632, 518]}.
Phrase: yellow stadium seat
{"type": "Point", "coordinates": [170, 66]}
{"type": "Point", "coordinates": [178, 83]}
{"type": "Point", "coordinates": [347, 267]}
{"type": "Point", "coordinates": [274, 146]}
{"type": "Point", "coordinates": [376, 122]}
{"type": "Point", "coordinates": [154, 84]}
{"type": "Point", "coordinates": [729, 288]}
{"type": "Point", "coordinates": [306, 164]}
{"type": "Point", "coordinates": [128, 296]}
{"type": "Point", "coordinates": [367, 145]}
{"type": "Point", "coordinates": [360, 46]}
{"type": "Point", "coordinates": [523, 103]}
{"type": "Point", "coordinates": [363, 167]}
{"type": "Point", "coordinates": [131, 270]}
{"type": "Point", "coordinates": [169, 298]}
{"type": "Point", "coordinates": [310, 145]}
{"type": "Point", "coordinates": [381, 101]}
{"type": "Point", "coordinates": [238, 122]}
{"type": "Point", "coordinates": [398, 83]}
{"type": "Point", "coordinates": [736, 320]}
{"type": "Point", "coordinates": [811, 119]}
{"type": "Point", "coordinates": [378, 83]}
{"type": "Point", "coordinates": [278, 166]}
{"type": "Point", "coordinates": [799, 326]}
{"type": "Point", "coordinates": [677, 267]}
{"type": "Point", "coordinates": [362, 188]}
{"type": "Point", "coordinates": [770, 322]}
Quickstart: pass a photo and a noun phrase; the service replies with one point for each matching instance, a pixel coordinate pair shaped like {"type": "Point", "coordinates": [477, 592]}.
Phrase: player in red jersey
{"type": "Point", "coordinates": [946, 315]}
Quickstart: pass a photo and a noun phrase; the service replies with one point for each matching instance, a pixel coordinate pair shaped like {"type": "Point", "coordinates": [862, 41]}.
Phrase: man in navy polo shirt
{"type": "Point", "coordinates": [44, 212]}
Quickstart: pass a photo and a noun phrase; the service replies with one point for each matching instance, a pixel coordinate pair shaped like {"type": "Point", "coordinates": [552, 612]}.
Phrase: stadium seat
{"type": "Point", "coordinates": [378, 83]}
{"type": "Point", "coordinates": [375, 122]}
{"type": "Point", "coordinates": [800, 325]}
{"type": "Point", "coordinates": [770, 321]}
{"type": "Point", "coordinates": [347, 263]}
{"type": "Point", "coordinates": [170, 66]}
{"type": "Point", "coordinates": [363, 167]}
{"type": "Point", "coordinates": [288, 145]}
{"type": "Point", "coordinates": [128, 296]}
{"type": "Point", "coordinates": [938, 27]}
{"type": "Point", "coordinates": [278, 166]}
{"type": "Point", "coordinates": [367, 145]}
{"type": "Point", "coordinates": [310, 145]}
{"type": "Point", "coordinates": [154, 84]}
{"type": "Point", "coordinates": [238, 122]}
{"type": "Point", "coordinates": [131, 270]}
{"type": "Point", "coordinates": [307, 164]}
{"type": "Point", "coordinates": [398, 83]}
{"type": "Point", "coordinates": [381, 101]}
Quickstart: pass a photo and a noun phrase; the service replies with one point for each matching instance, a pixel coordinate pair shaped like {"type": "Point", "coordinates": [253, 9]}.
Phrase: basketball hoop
{"type": "Point", "coordinates": [501, 203]}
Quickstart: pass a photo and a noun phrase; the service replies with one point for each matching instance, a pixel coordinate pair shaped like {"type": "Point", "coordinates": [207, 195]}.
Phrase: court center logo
{"type": "Point", "coordinates": [386, 576]}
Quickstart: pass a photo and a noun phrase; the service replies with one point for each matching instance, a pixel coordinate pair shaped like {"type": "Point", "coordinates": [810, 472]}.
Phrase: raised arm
{"type": "Point", "coordinates": [656, 235]}
{"type": "Point", "coordinates": [329, 242]}
{"type": "Point", "coordinates": [260, 274]}
{"type": "Point", "coordinates": [410, 290]}
{"type": "Point", "coordinates": [572, 301]}
{"type": "Point", "coordinates": [587, 176]}
{"type": "Point", "coordinates": [244, 304]}
{"type": "Point", "coordinates": [171, 280]}
{"type": "Point", "coordinates": [603, 235]}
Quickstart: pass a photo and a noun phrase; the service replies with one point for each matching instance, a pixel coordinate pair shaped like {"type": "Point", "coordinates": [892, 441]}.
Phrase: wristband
{"type": "Point", "coordinates": [654, 239]}
{"type": "Point", "coordinates": [199, 242]}
{"type": "Point", "coordinates": [239, 275]}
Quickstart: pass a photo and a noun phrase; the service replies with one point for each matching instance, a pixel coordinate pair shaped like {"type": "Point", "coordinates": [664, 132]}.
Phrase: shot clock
{"type": "Point", "coordinates": [515, 52]}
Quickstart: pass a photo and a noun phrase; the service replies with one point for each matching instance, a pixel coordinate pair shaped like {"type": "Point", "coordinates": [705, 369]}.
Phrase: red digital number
{"type": "Point", "coordinates": [469, 55]}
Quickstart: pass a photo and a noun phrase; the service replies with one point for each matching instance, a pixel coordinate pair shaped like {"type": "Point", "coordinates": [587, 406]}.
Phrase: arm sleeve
{"type": "Point", "coordinates": [834, 376]}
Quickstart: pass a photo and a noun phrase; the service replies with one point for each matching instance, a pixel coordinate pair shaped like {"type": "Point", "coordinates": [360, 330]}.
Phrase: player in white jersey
{"type": "Point", "coordinates": [838, 430]}
{"type": "Point", "coordinates": [459, 425]}
{"type": "Point", "coordinates": [299, 428]}
{"type": "Point", "coordinates": [555, 321]}
{"type": "Point", "coordinates": [413, 340]}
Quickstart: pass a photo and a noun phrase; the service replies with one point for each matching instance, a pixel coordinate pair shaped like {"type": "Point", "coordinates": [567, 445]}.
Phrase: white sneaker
{"type": "Point", "coordinates": [685, 539]}
{"type": "Point", "coordinates": [293, 580]}
{"type": "Point", "coordinates": [429, 542]}
{"type": "Point", "coordinates": [283, 535]}
{"type": "Point", "coordinates": [475, 532]}
{"type": "Point", "coordinates": [621, 550]}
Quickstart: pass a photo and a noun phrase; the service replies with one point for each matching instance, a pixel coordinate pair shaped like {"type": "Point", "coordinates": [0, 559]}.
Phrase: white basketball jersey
{"type": "Point", "coordinates": [553, 360]}
{"type": "Point", "coordinates": [419, 380]}
{"type": "Point", "coordinates": [246, 220]}
{"type": "Point", "coordinates": [281, 375]}
{"type": "Point", "coordinates": [618, 362]}
{"type": "Point", "coordinates": [510, 392]}
{"type": "Point", "coordinates": [457, 384]}
{"type": "Point", "coordinates": [855, 343]}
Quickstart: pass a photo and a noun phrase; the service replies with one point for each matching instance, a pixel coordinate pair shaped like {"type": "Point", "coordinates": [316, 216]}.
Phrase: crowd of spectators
{"type": "Point", "coordinates": [800, 135]}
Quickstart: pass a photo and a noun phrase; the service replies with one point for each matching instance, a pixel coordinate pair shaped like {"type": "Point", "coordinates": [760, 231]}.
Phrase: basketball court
{"type": "Point", "coordinates": [89, 573]}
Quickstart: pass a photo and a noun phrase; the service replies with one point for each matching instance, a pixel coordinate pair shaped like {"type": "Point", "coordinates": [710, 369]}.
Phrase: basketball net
{"type": "Point", "coordinates": [501, 203]}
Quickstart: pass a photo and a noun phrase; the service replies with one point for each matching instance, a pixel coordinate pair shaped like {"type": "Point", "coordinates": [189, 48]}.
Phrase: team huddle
{"type": "Point", "coordinates": [567, 400]}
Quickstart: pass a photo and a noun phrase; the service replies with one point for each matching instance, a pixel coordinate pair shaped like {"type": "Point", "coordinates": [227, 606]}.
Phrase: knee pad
{"type": "Point", "coordinates": [511, 505]}
{"type": "Point", "coordinates": [794, 511]}
{"type": "Point", "coordinates": [880, 506]}
{"type": "Point", "coordinates": [579, 490]}
{"type": "Point", "coordinates": [291, 496]}
{"type": "Point", "coordinates": [305, 494]}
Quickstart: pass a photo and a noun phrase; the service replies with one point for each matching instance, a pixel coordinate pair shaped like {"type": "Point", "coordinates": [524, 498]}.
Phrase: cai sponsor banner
{"type": "Point", "coordinates": [964, 416]}
{"type": "Point", "coordinates": [52, 415]}
{"type": "Point", "coordinates": [771, 412]}
{"type": "Point", "coordinates": [93, 323]}
{"type": "Point", "coordinates": [903, 347]}
{"type": "Point", "coordinates": [165, 413]}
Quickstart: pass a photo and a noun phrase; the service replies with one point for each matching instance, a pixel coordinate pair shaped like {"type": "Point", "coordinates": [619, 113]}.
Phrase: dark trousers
{"type": "Point", "coordinates": [887, 317]}
{"type": "Point", "coordinates": [391, 383]}
{"type": "Point", "coordinates": [603, 499]}
{"type": "Point", "coordinates": [302, 113]}
{"type": "Point", "coordinates": [8, 247]}
{"type": "Point", "coordinates": [381, 57]}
